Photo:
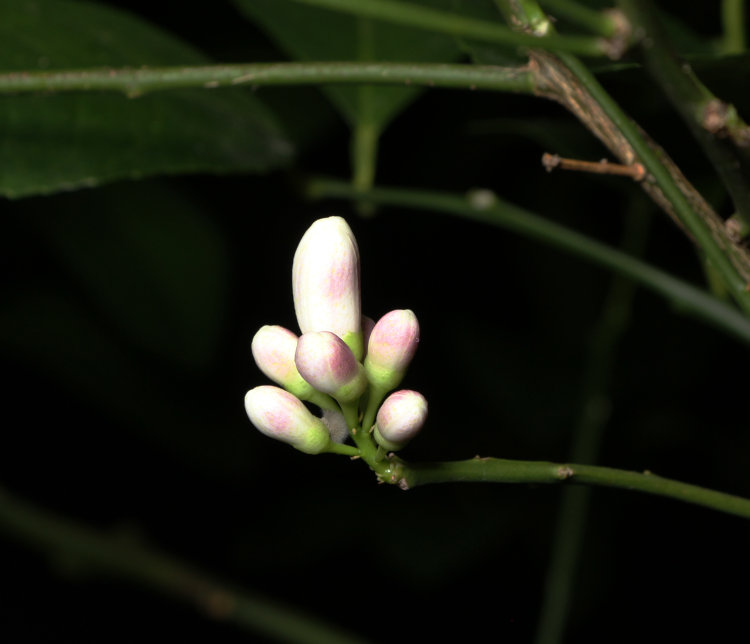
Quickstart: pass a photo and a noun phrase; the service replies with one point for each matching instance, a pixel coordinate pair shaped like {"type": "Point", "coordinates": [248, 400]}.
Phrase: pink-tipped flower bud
{"type": "Point", "coordinates": [326, 282]}
{"type": "Point", "coordinates": [391, 347]}
{"type": "Point", "coordinates": [273, 348]}
{"type": "Point", "coordinates": [400, 418]}
{"type": "Point", "coordinates": [328, 364]}
{"type": "Point", "coordinates": [283, 416]}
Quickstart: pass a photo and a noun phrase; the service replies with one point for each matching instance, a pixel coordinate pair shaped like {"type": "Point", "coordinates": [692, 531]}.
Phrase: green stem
{"type": "Point", "coordinates": [497, 470]}
{"type": "Point", "coordinates": [574, 507]}
{"type": "Point", "coordinates": [345, 450]}
{"type": "Point", "coordinates": [705, 115]}
{"type": "Point", "coordinates": [322, 400]}
{"type": "Point", "coordinates": [368, 450]}
{"type": "Point", "coordinates": [413, 15]}
{"type": "Point", "coordinates": [598, 22]}
{"type": "Point", "coordinates": [99, 552]}
{"type": "Point", "coordinates": [364, 154]}
{"type": "Point", "coordinates": [374, 399]}
{"type": "Point", "coordinates": [484, 206]}
{"type": "Point", "coordinates": [349, 410]}
{"type": "Point", "coordinates": [135, 82]}
{"type": "Point", "coordinates": [365, 133]}
{"type": "Point", "coordinates": [526, 16]}
{"type": "Point", "coordinates": [733, 23]}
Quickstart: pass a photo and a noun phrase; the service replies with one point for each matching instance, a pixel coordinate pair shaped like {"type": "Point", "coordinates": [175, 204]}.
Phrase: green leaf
{"type": "Point", "coordinates": [149, 261]}
{"type": "Point", "coordinates": [60, 142]}
{"type": "Point", "coordinates": [309, 33]}
{"type": "Point", "coordinates": [50, 333]}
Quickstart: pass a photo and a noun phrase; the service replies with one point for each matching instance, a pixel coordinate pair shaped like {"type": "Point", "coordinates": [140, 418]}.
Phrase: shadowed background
{"type": "Point", "coordinates": [126, 317]}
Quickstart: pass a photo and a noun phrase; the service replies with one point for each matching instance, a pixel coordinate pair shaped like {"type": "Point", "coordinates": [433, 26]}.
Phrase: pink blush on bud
{"type": "Point", "coordinates": [394, 339]}
{"type": "Point", "coordinates": [338, 281]}
{"type": "Point", "coordinates": [326, 362]}
{"type": "Point", "coordinates": [280, 419]}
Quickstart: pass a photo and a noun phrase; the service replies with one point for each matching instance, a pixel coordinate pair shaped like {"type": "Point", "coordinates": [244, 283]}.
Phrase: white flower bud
{"type": "Point", "coordinates": [281, 415]}
{"type": "Point", "coordinates": [326, 282]}
{"type": "Point", "coordinates": [400, 418]}
{"type": "Point", "coordinates": [273, 348]}
{"type": "Point", "coordinates": [328, 364]}
{"type": "Point", "coordinates": [390, 348]}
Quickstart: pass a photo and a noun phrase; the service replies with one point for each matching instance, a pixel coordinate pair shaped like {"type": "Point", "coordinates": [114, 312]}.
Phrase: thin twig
{"type": "Point", "coordinates": [716, 125]}
{"type": "Point", "coordinates": [566, 80]}
{"type": "Point", "coordinates": [551, 161]}
{"type": "Point", "coordinates": [563, 78]}
{"type": "Point", "coordinates": [455, 24]}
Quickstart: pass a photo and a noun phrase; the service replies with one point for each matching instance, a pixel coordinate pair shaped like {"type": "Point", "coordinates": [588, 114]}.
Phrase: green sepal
{"type": "Point", "coordinates": [356, 342]}
{"type": "Point", "coordinates": [353, 390]}
{"type": "Point", "coordinates": [385, 443]}
{"type": "Point", "coordinates": [316, 441]}
{"type": "Point", "coordinates": [382, 378]}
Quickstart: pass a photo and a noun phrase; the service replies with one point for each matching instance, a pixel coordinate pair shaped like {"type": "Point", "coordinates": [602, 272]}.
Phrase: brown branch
{"type": "Point", "coordinates": [557, 82]}
{"type": "Point", "coordinates": [553, 161]}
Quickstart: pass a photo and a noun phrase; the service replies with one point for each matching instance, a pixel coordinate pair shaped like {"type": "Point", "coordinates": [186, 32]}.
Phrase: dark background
{"type": "Point", "coordinates": [112, 427]}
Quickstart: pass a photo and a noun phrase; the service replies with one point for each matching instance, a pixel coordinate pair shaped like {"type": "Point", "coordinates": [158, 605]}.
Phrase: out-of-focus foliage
{"type": "Point", "coordinates": [69, 141]}
{"type": "Point", "coordinates": [127, 312]}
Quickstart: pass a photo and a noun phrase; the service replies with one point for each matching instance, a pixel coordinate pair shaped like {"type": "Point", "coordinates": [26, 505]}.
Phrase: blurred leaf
{"type": "Point", "coordinates": [46, 330]}
{"type": "Point", "coordinates": [53, 335]}
{"type": "Point", "coordinates": [53, 143]}
{"type": "Point", "coordinates": [151, 262]}
{"type": "Point", "coordinates": [309, 33]}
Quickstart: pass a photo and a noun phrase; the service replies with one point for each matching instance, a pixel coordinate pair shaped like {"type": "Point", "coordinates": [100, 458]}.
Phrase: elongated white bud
{"type": "Point", "coordinates": [328, 364]}
{"type": "Point", "coordinates": [273, 348]}
{"type": "Point", "coordinates": [326, 282]}
{"type": "Point", "coordinates": [400, 418]}
{"type": "Point", "coordinates": [281, 415]}
{"type": "Point", "coordinates": [390, 348]}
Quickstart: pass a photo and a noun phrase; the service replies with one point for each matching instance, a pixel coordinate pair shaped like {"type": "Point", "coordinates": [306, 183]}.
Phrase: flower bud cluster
{"type": "Point", "coordinates": [343, 362]}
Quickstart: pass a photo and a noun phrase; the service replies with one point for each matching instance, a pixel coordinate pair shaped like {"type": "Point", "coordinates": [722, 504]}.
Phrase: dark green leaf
{"type": "Point", "coordinates": [309, 33]}
{"type": "Point", "coordinates": [52, 143]}
{"type": "Point", "coordinates": [149, 262]}
{"type": "Point", "coordinates": [50, 333]}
